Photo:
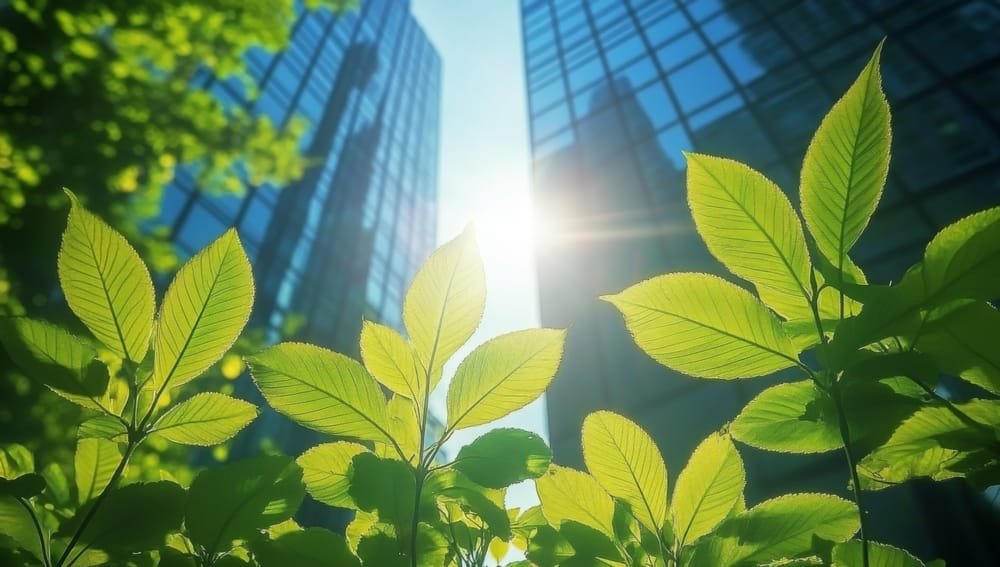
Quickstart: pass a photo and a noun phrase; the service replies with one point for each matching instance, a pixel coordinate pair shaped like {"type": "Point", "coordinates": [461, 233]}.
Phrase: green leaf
{"type": "Point", "coordinates": [445, 302]}
{"type": "Point", "coordinates": [845, 167]}
{"type": "Point", "coordinates": [233, 501]}
{"type": "Point", "coordinates": [626, 462]}
{"type": "Point", "coordinates": [205, 419]}
{"type": "Point", "coordinates": [794, 417]}
{"type": "Point", "coordinates": [204, 310]}
{"type": "Point", "coordinates": [391, 360]}
{"type": "Point", "coordinates": [569, 495]}
{"type": "Point", "coordinates": [325, 471]}
{"type": "Point", "coordinates": [385, 486]}
{"type": "Point", "coordinates": [312, 547]}
{"type": "Point", "coordinates": [963, 260]}
{"type": "Point", "coordinates": [936, 443]}
{"type": "Point", "coordinates": [106, 284]}
{"type": "Point", "coordinates": [708, 489]}
{"type": "Point", "coordinates": [322, 390]}
{"type": "Point", "coordinates": [704, 326]}
{"type": "Point", "coordinates": [486, 503]}
{"type": "Point", "coordinates": [780, 528]}
{"type": "Point", "coordinates": [95, 462]}
{"type": "Point", "coordinates": [103, 427]}
{"type": "Point", "coordinates": [16, 524]}
{"type": "Point", "coordinates": [503, 457]}
{"type": "Point", "coordinates": [57, 483]}
{"type": "Point", "coordinates": [54, 357]}
{"type": "Point", "coordinates": [15, 460]}
{"type": "Point", "coordinates": [964, 343]}
{"type": "Point", "coordinates": [136, 517]}
{"type": "Point", "coordinates": [848, 554]}
{"type": "Point", "coordinates": [502, 375]}
{"type": "Point", "coordinates": [404, 427]}
{"type": "Point", "coordinates": [748, 223]}
{"type": "Point", "coordinates": [24, 486]}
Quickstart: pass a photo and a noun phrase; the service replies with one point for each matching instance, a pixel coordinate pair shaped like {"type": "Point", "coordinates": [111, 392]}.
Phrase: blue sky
{"type": "Point", "coordinates": [484, 169]}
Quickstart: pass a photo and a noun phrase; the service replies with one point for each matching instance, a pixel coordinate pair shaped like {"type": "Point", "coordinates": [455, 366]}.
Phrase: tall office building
{"type": "Point", "coordinates": [618, 89]}
{"type": "Point", "coordinates": [343, 242]}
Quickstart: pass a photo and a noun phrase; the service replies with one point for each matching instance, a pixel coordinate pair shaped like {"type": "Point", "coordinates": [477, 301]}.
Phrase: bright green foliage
{"type": "Point", "coordinates": [848, 554]}
{"type": "Point", "coordinates": [573, 496]}
{"type": "Point", "coordinates": [205, 419]}
{"type": "Point", "coordinates": [325, 471]}
{"type": "Point", "coordinates": [106, 284]}
{"type": "Point", "coordinates": [845, 168]}
{"type": "Point", "coordinates": [204, 310]}
{"type": "Point", "coordinates": [626, 462]}
{"type": "Point", "coordinates": [708, 489]}
{"type": "Point", "coordinates": [869, 383]}
{"type": "Point", "coordinates": [391, 360]}
{"type": "Point", "coordinates": [94, 464]}
{"type": "Point", "coordinates": [704, 326]}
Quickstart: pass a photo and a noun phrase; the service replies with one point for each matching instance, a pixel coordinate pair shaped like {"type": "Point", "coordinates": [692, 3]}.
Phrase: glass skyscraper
{"type": "Point", "coordinates": [618, 89]}
{"type": "Point", "coordinates": [343, 242]}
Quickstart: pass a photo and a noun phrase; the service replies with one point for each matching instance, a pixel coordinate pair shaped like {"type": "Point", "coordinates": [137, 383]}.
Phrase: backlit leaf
{"type": "Point", "coordinates": [325, 472]}
{"type": "Point", "coordinates": [311, 547]}
{"type": "Point", "coordinates": [233, 501]}
{"type": "Point", "coordinates": [15, 460]}
{"type": "Point", "coordinates": [626, 462]}
{"type": "Point", "coordinates": [106, 284]}
{"type": "Point", "coordinates": [748, 223]}
{"type": "Point", "coordinates": [503, 457]}
{"type": "Point", "coordinates": [15, 524]}
{"type": "Point", "coordinates": [708, 489]}
{"type": "Point", "coordinates": [964, 343]}
{"type": "Point", "coordinates": [794, 417]}
{"type": "Point", "coordinates": [704, 326]}
{"type": "Point", "coordinates": [204, 310]}
{"type": "Point", "coordinates": [322, 390]}
{"type": "Point", "coordinates": [95, 462]}
{"type": "Point", "coordinates": [780, 528]}
{"type": "Point", "coordinates": [391, 360]}
{"type": "Point", "coordinates": [54, 357]}
{"type": "Point", "coordinates": [963, 260]}
{"type": "Point", "coordinates": [445, 302]}
{"type": "Point", "coordinates": [570, 495]}
{"type": "Point", "coordinates": [404, 427]}
{"type": "Point", "coordinates": [845, 166]}
{"type": "Point", "coordinates": [848, 554]}
{"type": "Point", "coordinates": [503, 374]}
{"type": "Point", "coordinates": [205, 419]}
{"type": "Point", "coordinates": [103, 427]}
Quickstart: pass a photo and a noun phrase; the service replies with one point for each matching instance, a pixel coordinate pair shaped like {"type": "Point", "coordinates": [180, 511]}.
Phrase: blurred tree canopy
{"type": "Point", "coordinates": [97, 95]}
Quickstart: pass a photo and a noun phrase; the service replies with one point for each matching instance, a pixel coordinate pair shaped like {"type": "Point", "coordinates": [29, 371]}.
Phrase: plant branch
{"type": "Point", "coordinates": [46, 559]}
{"type": "Point", "coordinates": [845, 435]}
{"type": "Point", "coordinates": [115, 477]}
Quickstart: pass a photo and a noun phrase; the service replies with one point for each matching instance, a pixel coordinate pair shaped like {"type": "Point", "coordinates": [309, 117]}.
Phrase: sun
{"type": "Point", "coordinates": [506, 229]}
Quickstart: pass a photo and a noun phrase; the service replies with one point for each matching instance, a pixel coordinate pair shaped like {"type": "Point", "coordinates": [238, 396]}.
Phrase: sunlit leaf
{"type": "Point", "coordinates": [325, 472]}
{"type": "Point", "coordinates": [54, 357]}
{"type": "Point", "coordinates": [204, 310]}
{"type": "Point", "coordinates": [794, 417]}
{"type": "Point", "coordinates": [503, 374]}
{"type": "Point", "coordinates": [15, 460]}
{"type": "Point", "coordinates": [780, 528]}
{"type": "Point", "coordinates": [748, 223]}
{"type": "Point", "coordinates": [708, 489]}
{"type": "Point", "coordinates": [936, 443]}
{"type": "Point", "coordinates": [391, 360]}
{"type": "Point", "coordinates": [963, 260]}
{"type": "Point", "coordinates": [232, 501]}
{"type": "Point", "coordinates": [205, 419]}
{"type": "Point", "coordinates": [404, 427]}
{"type": "Point", "coordinates": [848, 554]}
{"type": "Point", "coordinates": [95, 462]}
{"type": "Point", "coordinates": [124, 520]}
{"type": "Point", "coordinates": [311, 547]}
{"type": "Point", "coordinates": [704, 326]}
{"type": "Point", "coordinates": [626, 462]}
{"type": "Point", "coordinates": [322, 390]}
{"type": "Point", "coordinates": [103, 427]}
{"type": "Point", "coordinates": [445, 302]}
{"type": "Point", "coordinates": [106, 284]}
{"type": "Point", "coordinates": [569, 495]}
{"type": "Point", "coordinates": [16, 524]}
{"type": "Point", "coordinates": [451, 486]}
{"type": "Point", "coordinates": [964, 343]}
{"type": "Point", "coordinates": [845, 166]}
{"type": "Point", "coordinates": [503, 457]}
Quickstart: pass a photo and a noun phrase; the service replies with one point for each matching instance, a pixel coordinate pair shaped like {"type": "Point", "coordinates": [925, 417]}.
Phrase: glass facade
{"type": "Point", "coordinates": [618, 89]}
{"type": "Point", "coordinates": [343, 242]}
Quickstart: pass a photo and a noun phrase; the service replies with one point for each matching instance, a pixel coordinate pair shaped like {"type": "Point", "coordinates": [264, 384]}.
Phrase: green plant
{"type": "Point", "coordinates": [413, 509]}
{"type": "Point", "coordinates": [124, 378]}
{"type": "Point", "coordinates": [871, 354]}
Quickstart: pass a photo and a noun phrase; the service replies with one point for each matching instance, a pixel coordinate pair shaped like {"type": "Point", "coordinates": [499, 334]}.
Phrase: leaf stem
{"type": "Point", "coordinates": [845, 435]}
{"type": "Point", "coordinates": [115, 477]}
{"type": "Point", "coordinates": [46, 559]}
